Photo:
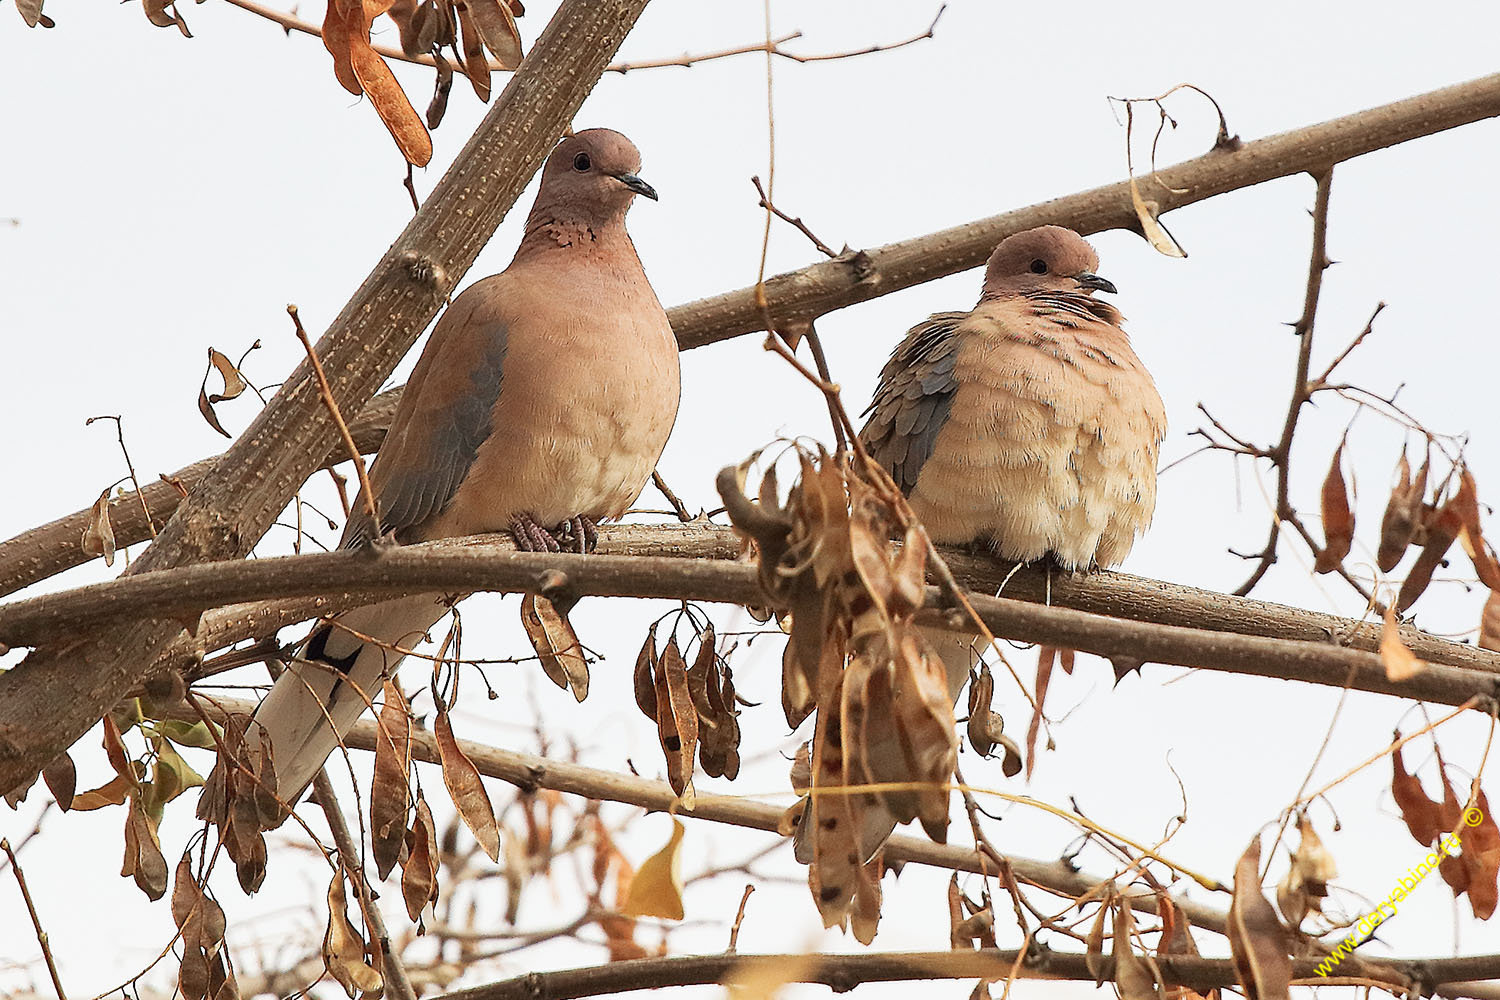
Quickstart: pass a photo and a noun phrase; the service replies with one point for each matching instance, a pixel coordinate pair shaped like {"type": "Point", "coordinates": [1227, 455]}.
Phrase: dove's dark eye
{"type": "Point", "coordinates": [581, 162]}
{"type": "Point", "coordinates": [1039, 266]}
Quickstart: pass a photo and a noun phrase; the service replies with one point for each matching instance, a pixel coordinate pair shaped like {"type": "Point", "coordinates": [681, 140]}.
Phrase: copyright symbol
{"type": "Point", "coordinates": [1472, 816]}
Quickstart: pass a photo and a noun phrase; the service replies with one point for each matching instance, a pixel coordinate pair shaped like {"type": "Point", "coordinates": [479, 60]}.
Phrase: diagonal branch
{"type": "Point", "coordinates": [54, 695]}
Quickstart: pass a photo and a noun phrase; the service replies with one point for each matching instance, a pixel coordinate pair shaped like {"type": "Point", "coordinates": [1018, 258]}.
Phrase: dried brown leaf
{"type": "Point", "coordinates": [99, 534]}
{"type": "Point", "coordinates": [1471, 534]}
{"type": "Point", "coordinates": [143, 857]}
{"type": "Point", "coordinates": [1397, 524]}
{"type": "Point", "coordinates": [1133, 973]}
{"type": "Point", "coordinates": [1256, 937]}
{"type": "Point", "coordinates": [1338, 519]}
{"type": "Point", "coordinates": [476, 64]}
{"type": "Point", "coordinates": [1400, 662]}
{"type": "Point", "coordinates": [556, 644]}
{"type": "Point", "coordinates": [390, 788]}
{"type": "Point", "coordinates": [1156, 234]}
{"type": "Point", "coordinates": [1422, 815]}
{"type": "Point", "coordinates": [62, 780]}
{"type": "Point", "coordinates": [442, 86]}
{"type": "Point", "coordinates": [498, 29]}
{"type": "Point", "coordinates": [466, 788]}
{"type": "Point", "coordinates": [677, 720]}
{"type": "Point", "coordinates": [111, 793]}
{"type": "Point", "coordinates": [1441, 528]}
{"type": "Point", "coordinates": [1481, 855]}
{"type": "Point", "coordinates": [31, 12]}
{"type": "Point", "coordinates": [645, 675]}
{"type": "Point", "coordinates": [390, 101]}
{"type": "Point", "coordinates": [339, 25]}
{"type": "Point", "coordinates": [1093, 958]}
{"type": "Point", "coordinates": [343, 948]}
{"type": "Point", "coordinates": [981, 693]}
{"type": "Point", "coordinates": [419, 884]}
{"type": "Point", "coordinates": [1489, 623]}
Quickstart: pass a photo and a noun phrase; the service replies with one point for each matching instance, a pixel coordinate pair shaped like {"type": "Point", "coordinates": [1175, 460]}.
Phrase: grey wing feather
{"type": "Point", "coordinates": [432, 445]}
{"type": "Point", "coordinates": [913, 397]}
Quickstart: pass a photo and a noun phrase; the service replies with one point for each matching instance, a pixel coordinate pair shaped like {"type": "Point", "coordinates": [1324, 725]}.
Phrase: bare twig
{"type": "Point", "coordinates": [739, 918]}
{"type": "Point", "coordinates": [1280, 455]}
{"type": "Point", "coordinates": [678, 506]}
{"type": "Point", "coordinates": [129, 466]}
{"type": "Point", "coordinates": [290, 22]}
{"type": "Point", "coordinates": [338, 421]}
{"type": "Point", "coordinates": [36, 921]}
{"type": "Point", "coordinates": [350, 856]}
{"type": "Point", "coordinates": [766, 203]}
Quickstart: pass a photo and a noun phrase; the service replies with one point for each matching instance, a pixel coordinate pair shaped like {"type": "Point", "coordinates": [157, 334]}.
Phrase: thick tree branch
{"type": "Point", "coordinates": [856, 277]}
{"type": "Point", "coordinates": [185, 593]}
{"type": "Point", "coordinates": [53, 696]}
{"type": "Point", "coordinates": [842, 973]}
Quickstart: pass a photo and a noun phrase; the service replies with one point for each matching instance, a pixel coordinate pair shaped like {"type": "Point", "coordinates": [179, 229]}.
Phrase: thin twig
{"type": "Point", "coordinates": [396, 978]}
{"type": "Point", "coordinates": [333, 409]}
{"type": "Point", "coordinates": [1280, 455]}
{"type": "Point", "coordinates": [36, 921]}
{"type": "Point", "coordinates": [678, 507]}
{"type": "Point", "coordinates": [129, 466]}
{"type": "Point", "coordinates": [766, 203]}
{"type": "Point", "coordinates": [771, 46]}
{"type": "Point", "coordinates": [739, 918]}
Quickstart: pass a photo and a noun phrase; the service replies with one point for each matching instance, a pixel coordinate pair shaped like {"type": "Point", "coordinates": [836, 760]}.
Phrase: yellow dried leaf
{"type": "Point", "coordinates": [656, 890]}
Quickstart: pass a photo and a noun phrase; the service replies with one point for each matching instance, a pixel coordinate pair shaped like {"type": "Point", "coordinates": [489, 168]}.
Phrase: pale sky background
{"type": "Point", "coordinates": [169, 195]}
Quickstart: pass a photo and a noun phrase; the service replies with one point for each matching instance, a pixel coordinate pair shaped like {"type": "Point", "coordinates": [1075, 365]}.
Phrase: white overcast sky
{"type": "Point", "coordinates": [168, 195]}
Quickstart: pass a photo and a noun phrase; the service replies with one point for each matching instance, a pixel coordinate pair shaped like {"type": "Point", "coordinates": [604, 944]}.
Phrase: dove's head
{"type": "Point", "coordinates": [591, 178]}
{"type": "Point", "coordinates": [1044, 259]}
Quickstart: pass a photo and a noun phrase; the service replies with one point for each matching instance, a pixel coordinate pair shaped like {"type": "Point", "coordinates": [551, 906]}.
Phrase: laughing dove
{"type": "Point", "coordinates": [1026, 425]}
{"type": "Point", "coordinates": [539, 406]}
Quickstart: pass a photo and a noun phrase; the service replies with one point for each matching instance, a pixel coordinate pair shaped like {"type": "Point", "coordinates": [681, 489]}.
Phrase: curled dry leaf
{"type": "Point", "coordinates": [1305, 885]}
{"type": "Point", "coordinates": [1156, 234]}
{"type": "Point", "coordinates": [159, 14]}
{"type": "Point", "coordinates": [1423, 816]}
{"type": "Point", "coordinates": [390, 788]}
{"type": "Point", "coordinates": [1134, 974]}
{"type": "Point", "coordinates": [1471, 534]}
{"type": "Point", "coordinates": [1400, 662]}
{"type": "Point", "coordinates": [466, 788]}
{"type": "Point", "coordinates": [656, 889]}
{"type": "Point", "coordinates": [1489, 623]}
{"type": "Point", "coordinates": [99, 534]}
{"type": "Point", "coordinates": [1481, 855]}
{"type": "Point", "coordinates": [419, 883]}
{"type": "Point", "coordinates": [1093, 957]}
{"type": "Point", "coordinates": [1256, 937]}
{"type": "Point", "coordinates": [556, 644]}
{"type": "Point", "coordinates": [143, 857]}
{"type": "Point", "coordinates": [1441, 527]}
{"type": "Point", "coordinates": [864, 915]}
{"type": "Point", "coordinates": [676, 720]}
{"type": "Point", "coordinates": [1338, 519]}
{"type": "Point", "coordinates": [498, 29]}
{"type": "Point", "coordinates": [442, 86]}
{"type": "Point", "coordinates": [476, 64]}
{"type": "Point", "coordinates": [645, 675]}
{"type": "Point", "coordinates": [234, 385]}
{"type": "Point", "coordinates": [1398, 524]}
{"type": "Point", "coordinates": [343, 948]}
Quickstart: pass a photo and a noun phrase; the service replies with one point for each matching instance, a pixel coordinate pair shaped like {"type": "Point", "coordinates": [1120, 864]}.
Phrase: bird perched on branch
{"type": "Point", "coordinates": [539, 406]}
{"type": "Point", "coordinates": [1028, 424]}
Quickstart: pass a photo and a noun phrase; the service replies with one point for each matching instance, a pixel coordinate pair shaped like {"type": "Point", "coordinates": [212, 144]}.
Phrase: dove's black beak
{"type": "Point", "coordinates": [637, 185]}
{"type": "Point", "coordinates": [1093, 282]}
